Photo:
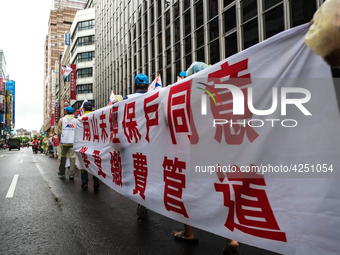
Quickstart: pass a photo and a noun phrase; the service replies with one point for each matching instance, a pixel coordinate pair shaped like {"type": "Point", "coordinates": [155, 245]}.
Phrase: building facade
{"type": "Point", "coordinates": [2, 94]}
{"type": "Point", "coordinates": [82, 54]}
{"type": "Point", "coordinates": [166, 36]}
{"type": "Point", "coordinates": [73, 4]}
{"type": "Point", "coordinates": [59, 23]}
{"type": "Point", "coordinates": [7, 100]}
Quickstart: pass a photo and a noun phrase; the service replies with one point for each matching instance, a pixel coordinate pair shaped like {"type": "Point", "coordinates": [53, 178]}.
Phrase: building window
{"type": "Point", "coordinates": [302, 11]}
{"type": "Point", "coordinates": [87, 40]}
{"type": "Point", "coordinates": [250, 33]}
{"type": "Point", "coordinates": [199, 37]}
{"type": "Point", "coordinates": [52, 44]}
{"type": "Point", "coordinates": [86, 56]}
{"type": "Point", "coordinates": [200, 55]}
{"type": "Point", "coordinates": [227, 2]}
{"type": "Point", "coordinates": [52, 36]}
{"type": "Point", "coordinates": [187, 43]}
{"type": "Point", "coordinates": [214, 52]}
{"type": "Point", "coordinates": [84, 89]}
{"type": "Point", "coordinates": [230, 19]}
{"type": "Point", "coordinates": [85, 72]}
{"type": "Point", "coordinates": [60, 36]}
{"type": "Point", "coordinates": [199, 14]}
{"type": "Point", "coordinates": [270, 3]}
{"type": "Point", "coordinates": [231, 45]}
{"type": "Point", "coordinates": [273, 21]}
{"type": "Point", "coordinates": [85, 25]}
{"type": "Point", "coordinates": [59, 44]}
{"type": "Point", "coordinates": [213, 29]}
{"type": "Point", "coordinates": [213, 8]}
{"type": "Point", "coordinates": [187, 24]}
{"type": "Point", "coordinates": [249, 9]}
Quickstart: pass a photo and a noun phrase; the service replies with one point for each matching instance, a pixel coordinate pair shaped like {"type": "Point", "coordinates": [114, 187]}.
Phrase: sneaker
{"type": "Point", "coordinates": [84, 185]}
{"type": "Point", "coordinates": [141, 210]}
{"type": "Point", "coordinates": [71, 177]}
{"type": "Point", "coordinates": [61, 176]}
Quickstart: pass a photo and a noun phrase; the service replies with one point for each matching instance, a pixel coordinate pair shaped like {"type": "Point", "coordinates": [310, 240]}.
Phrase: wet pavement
{"type": "Point", "coordinates": [48, 215]}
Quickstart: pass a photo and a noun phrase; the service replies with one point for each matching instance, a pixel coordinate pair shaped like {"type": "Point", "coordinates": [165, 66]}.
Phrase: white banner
{"type": "Point", "coordinates": [247, 149]}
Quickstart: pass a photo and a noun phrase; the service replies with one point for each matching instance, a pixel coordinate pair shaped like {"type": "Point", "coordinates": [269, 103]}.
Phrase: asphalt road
{"type": "Point", "coordinates": [48, 215]}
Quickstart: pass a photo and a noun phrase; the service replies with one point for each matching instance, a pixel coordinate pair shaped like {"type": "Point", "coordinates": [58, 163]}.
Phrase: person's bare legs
{"type": "Point", "coordinates": [187, 233]}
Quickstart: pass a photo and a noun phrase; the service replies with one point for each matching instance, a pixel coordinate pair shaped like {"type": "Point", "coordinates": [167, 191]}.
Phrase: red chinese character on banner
{"type": "Point", "coordinates": [150, 110]}
{"type": "Point", "coordinates": [179, 113]}
{"type": "Point", "coordinates": [233, 134]}
{"type": "Point", "coordinates": [102, 126]}
{"type": "Point", "coordinates": [251, 207]}
{"type": "Point", "coordinates": [116, 168]}
{"type": "Point", "coordinates": [86, 129]}
{"type": "Point", "coordinates": [82, 151]}
{"type": "Point", "coordinates": [94, 124]}
{"type": "Point", "coordinates": [98, 162]}
{"type": "Point", "coordinates": [174, 184]}
{"type": "Point", "coordinates": [114, 125]}
{"type": "Point", "coordinates": [140, 173]}
{"type": "Point", "coordinates": [130, 124]}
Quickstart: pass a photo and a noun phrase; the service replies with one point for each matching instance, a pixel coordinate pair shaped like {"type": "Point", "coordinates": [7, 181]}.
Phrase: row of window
{"type": "Point", "coordinates": [85, 25]}
{"type": "Point", "coordinates": [59, 44]}
{"type": "Point", "coordinates": [85, 56]}
{"type": "Point", "coordinates": [84, 72]}
{"type": "Point", "coordinates": [59, 36]}
{"type": "Point", "coordinates": [167, 40]}
{"type": "Point", "coordinates": [83, 41]}
{"type": "Point", "coordinates": [84, 89]}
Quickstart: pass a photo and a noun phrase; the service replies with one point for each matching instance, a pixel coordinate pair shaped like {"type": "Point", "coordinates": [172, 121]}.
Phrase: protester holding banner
{"type": "Point", "coordinates": [84, 175]}
{"type": "Point", "coordinates": [187, 234]}
{"type": "Point", "coordinates": [141, 87]}
{"type": "Point", "coordinates": [66, 130]}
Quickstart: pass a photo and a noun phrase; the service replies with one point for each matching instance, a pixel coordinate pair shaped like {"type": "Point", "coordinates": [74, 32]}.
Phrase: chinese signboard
{"type": "Point", "coordinates": [67, 38]}
{"type": "Point", "coordinates": [73, 82]}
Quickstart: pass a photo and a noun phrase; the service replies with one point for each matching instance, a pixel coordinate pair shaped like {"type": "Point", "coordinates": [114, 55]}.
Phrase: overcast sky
{"type": "Point", "coordinates": [23, 30]}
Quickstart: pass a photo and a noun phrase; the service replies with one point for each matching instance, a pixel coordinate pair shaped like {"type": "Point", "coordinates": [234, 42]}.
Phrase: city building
{"type": "Point", "coordinates": [79, 54]}
{"type": "Point", "coordinates": [165, 37]}
{"type": "Point", "coordinates": [2, 93]}
{"type": "Point", "coordinates": [60, 22]}
{"type": "Point", "coordinates": [10, 86]}
{"type": "Point", "coordinates": [22, 132]}
{"type": "Point", "coordinates": [7, 100]}
{"type": "Point", "coordinates": [73, 4]}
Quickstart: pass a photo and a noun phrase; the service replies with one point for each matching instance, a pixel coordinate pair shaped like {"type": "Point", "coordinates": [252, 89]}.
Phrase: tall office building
{"type": "Point", "coordinates": [73, 4]}
{"type": "Point", "coordinates": [59, 23]}
{"type": "Point", "coordinates": [166, 36]}
{"type": "Point", "coordinates": [80, 53]}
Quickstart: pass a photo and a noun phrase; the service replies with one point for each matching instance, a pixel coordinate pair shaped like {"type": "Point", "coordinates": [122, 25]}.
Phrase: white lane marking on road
{"type": "Point", "coordinates": [12, 187]}
{"type": "Point", "coordinates": [21, 160]}
{"type": "Point", "coordinates": [40, 169]}
{"type": "Point", "coordinates": [2, 156]}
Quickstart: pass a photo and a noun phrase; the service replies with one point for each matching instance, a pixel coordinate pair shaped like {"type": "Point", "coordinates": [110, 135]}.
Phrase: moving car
{"type": "Point", "coordinates": [13, 143]}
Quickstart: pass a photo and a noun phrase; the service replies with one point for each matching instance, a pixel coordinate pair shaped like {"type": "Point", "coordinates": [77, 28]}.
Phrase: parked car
{"type": "Point", "coordinates": [14, 143]}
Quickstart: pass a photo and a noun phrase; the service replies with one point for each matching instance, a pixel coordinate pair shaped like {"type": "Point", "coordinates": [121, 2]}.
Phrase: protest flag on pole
{"type": "Point", "coordinates": [66, 70]}
{"type": "Point", "coordinates": [156, 84]}
{"type": "Point", "coordinates": [81, 109]}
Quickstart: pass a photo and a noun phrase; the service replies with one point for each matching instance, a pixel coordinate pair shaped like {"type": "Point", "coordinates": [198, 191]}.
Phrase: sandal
{"type": "Point", "coordinates": [179, 236]}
